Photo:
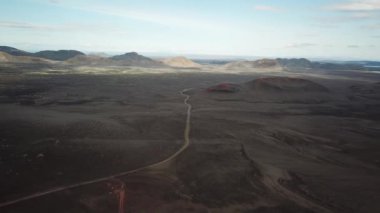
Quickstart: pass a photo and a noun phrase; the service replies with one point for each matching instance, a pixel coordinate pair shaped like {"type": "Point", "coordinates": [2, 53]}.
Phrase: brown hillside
{"type": "Point", "coordinates": [181, 62]}
{"type": "Point", "coordinates": [5, 57]}
{"type": "Point", "coordinates": [285, 84]}
{"type": "Point", "coordinates": [258, 65]}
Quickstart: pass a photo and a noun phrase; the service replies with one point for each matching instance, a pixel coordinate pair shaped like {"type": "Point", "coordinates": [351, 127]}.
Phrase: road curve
{"type": "Point", "coordinates": [186, 134]}
{"type": "Point", "coordinates": [152, 166]}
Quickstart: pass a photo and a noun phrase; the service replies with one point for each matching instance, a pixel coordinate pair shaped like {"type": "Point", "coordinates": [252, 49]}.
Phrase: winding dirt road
{"type": "Point", "coordinates": [114, 176]}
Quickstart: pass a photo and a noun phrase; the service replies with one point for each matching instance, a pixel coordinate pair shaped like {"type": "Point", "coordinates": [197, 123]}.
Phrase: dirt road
{"type": "Point", "coordinates": [114, 176]}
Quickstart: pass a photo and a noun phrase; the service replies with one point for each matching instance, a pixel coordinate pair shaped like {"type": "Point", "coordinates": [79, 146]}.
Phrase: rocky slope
{"type": "Point", "coordinates": [7, 58]}
{"type": "Point", "coordinates": [181, 62]}
{"type": "Point", "coordinates": [258, 65]}
{"type": "Point", "coordinates": [59, 55]}
{"type": "Point", "coordinates": [134, 59]}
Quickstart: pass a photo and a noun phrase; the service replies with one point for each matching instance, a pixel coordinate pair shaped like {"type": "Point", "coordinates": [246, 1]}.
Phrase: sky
{"type": "Point", "coordinates": [325, 29]}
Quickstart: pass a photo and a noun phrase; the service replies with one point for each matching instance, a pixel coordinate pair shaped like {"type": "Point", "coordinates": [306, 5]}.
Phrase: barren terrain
{"type": "Point", "coordinates": [281, 142]}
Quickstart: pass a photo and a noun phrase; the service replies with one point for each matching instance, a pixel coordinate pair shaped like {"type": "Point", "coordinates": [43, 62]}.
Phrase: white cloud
{"type": "Point", "coordinates": [55, 1]}
{"type": "Point", "coordinates": [365, 11]}
{"type": "Point", "coordinates": [363, 15]}
{"type": "Point", "coordinates": [177, 19]}
{"type": "Point", "coordinates": [326, 25]}
{"type": "Point", "coordinates": [337, 20]}
{"type": "Point", "coordinates": [300, 45]}
{"type": "Point", "coordinates": [357, 10]}
{"type": "Point", "coordinates": [372, 26]}
{"type": "Point", "coordinates": [266, 8]}
{"type": "Point", "coordinates": [58, 27]}
{"type": "Point", "coordinates": [157, 18]}
{"type": "Point", "coordinates": [357, 5]}
{"type": "Point", "coordinates": [24, 25]}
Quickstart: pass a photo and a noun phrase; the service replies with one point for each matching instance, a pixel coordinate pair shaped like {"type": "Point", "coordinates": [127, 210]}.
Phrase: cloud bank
{"type": "Point", "coordinates": [266, 8]}
{"type": "Point", "coordinates": [358, 5]}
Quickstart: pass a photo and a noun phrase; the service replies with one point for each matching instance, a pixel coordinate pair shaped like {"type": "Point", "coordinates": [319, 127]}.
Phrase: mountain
{"type": "Point", "coordinates": [134, 59]}
{"type": "Point", "coordinates": [292, 64]}
{"type": "Point", "coordinates": [87, 60]}
{"type": "Point", "coordinates": [181, 62]}
{"type": "Point", "coordinates": [7, 58]}
{"type": "Point", "coordinates": [225, 88]}
{"type": "Point", "coordinates": [285, 84]}
{"type": "Point", "coordinates": [270, 89]}
{"type": "Point", "coordinates": [101, 54]}
{"type": "Point", "coordinates": [212, 61]}
{"type": "Point", "coordinates": [60, 55]}
{"type": "Point", "coordinates": [295, 63]}
{"type": "Point", "coordinates": [334, 66]}
{"type": "Point", "coordinates": [14, 51]}
{"type": "Point", "coordinates": [258, 65]}
{"type": "Point", "coordinates": [365, 63]}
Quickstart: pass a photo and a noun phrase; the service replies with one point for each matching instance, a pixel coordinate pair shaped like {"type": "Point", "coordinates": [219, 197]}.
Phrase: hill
{"type": "Point", "coordinates": [14, 51]}
{"type": "Point", "coordinates": [181, 62]}
{"type": "Point", "coordinates": [86, 60]}
{"type": "Point", "coordinates": [285, 84]}
{"type": "Point", "coordinates": [134, 59]}
{"type": "Point", "coordinates": [225, 88]}
{"type": "Point", "coordinates": [258, 65]}
{"type": "Point", "coordinates": [295, 63]}
{"type": "Point", "coordinates": [7, 58]}
{"type": "Point", "coordinates": [60, 55]}
{"type": "Point", "coordinates": [336, 66]}
{"type": "Point", "coordinates": [270, 90]}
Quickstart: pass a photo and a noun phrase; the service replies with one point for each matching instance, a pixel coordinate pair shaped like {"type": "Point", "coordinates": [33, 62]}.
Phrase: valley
{"type": "Point", "coordinates": [279, 141]}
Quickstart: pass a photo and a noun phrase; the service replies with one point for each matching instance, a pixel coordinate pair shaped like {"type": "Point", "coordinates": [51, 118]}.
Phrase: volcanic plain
{"type": "Point", "coordinates": [268, 141]}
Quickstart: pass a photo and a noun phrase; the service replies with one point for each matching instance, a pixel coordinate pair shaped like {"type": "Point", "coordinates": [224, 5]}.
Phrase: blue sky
{"type": "Point", "coordinates": [336, 29]}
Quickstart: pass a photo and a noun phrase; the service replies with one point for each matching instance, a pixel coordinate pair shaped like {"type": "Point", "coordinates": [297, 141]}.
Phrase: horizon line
{"type": "Point", "coordinates": [199, 56]}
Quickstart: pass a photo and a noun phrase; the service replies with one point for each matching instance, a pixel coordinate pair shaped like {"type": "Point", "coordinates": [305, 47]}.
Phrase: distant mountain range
{"type": "Point", "coordinates": [14, 51]}
{"type": "Point", "coordinates": [297, 64]}
{"type": "Point", "coordinates": [77, 58]}
{"type": "Point", "coordinates": [60, 55]}
{"type": "Point", "coordinates": [73, 57]}
{"type": "Point", "coordinates": [291, 64]}
{"type": "Point", "coordinates": [366, 63]}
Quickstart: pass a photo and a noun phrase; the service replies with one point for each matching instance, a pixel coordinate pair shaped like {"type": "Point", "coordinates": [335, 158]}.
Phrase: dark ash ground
{"type": "Point", "coordinates": [251, 151]}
